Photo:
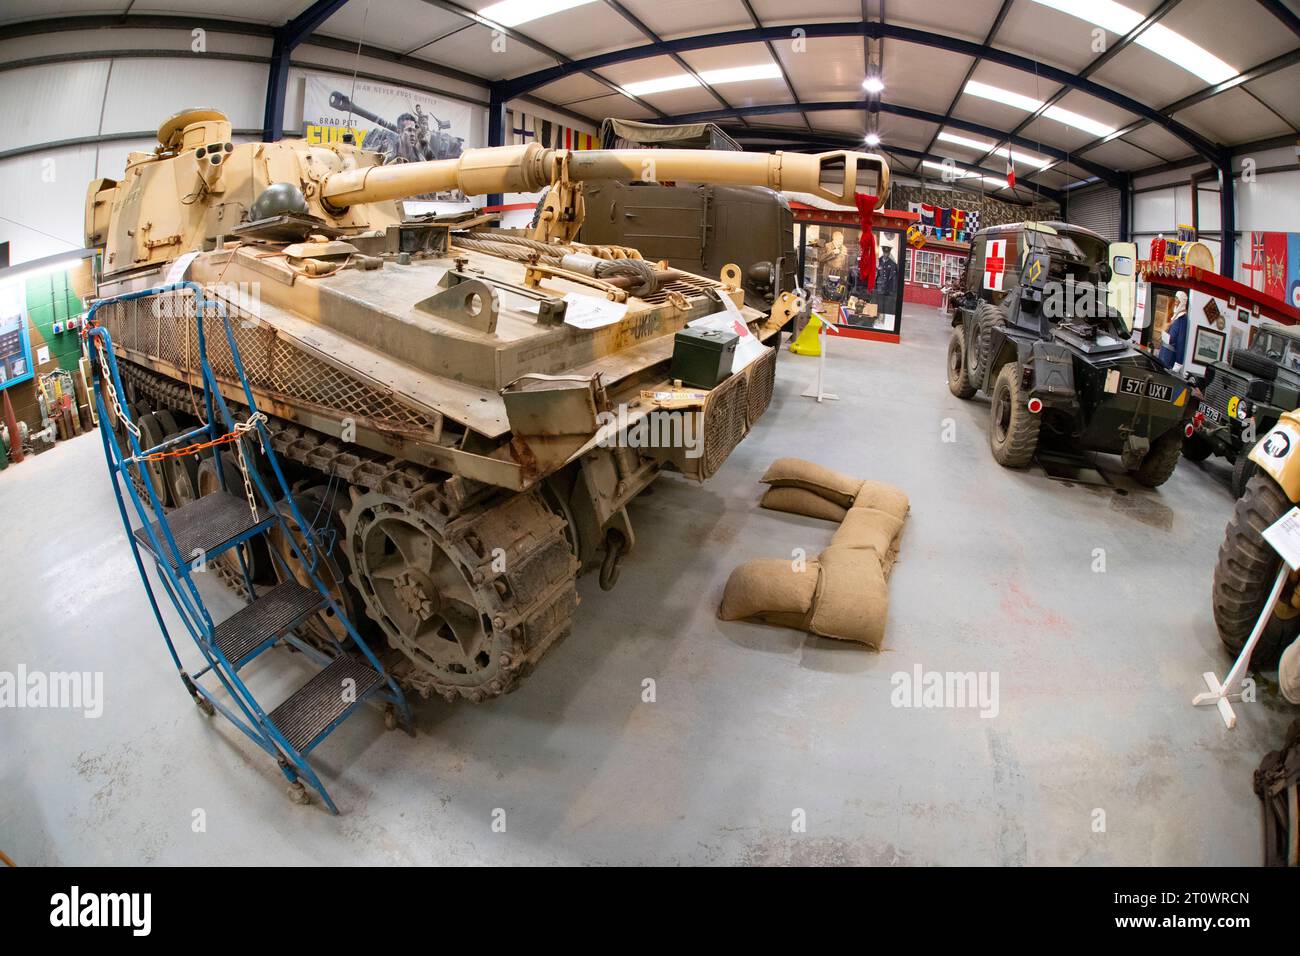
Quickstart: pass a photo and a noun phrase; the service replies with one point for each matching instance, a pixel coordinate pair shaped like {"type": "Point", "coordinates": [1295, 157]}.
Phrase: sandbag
{"type": "Point", "coordinates": [770, 590]}
{"type": "Point", "coordinates": [826, 482]}
{"type": "Point", "coordinates": [801, 501]}
{"type": "Point", "coordinates": [882, 497]}
{"type": "Point", "coordinates": [852, 599]}
{"type": "Point", "coordinates": [869, 528]}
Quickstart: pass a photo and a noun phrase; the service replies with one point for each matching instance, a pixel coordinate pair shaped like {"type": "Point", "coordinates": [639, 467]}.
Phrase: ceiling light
{"type": "Point", "coordinates": [661, 85]}
{"type": "Point", "coordinates": [1159, 39]}
{"type": "Point", "coordinates": [682, 81]}
{"type": "Point", "coordinates": [873, 139]}
{"type": "Point", "coordinates": [1027, 158]}
{"type": "Point", "coordinates": [511, 13]}
{"type": "Point", "coordinates": [873, 84]}
{"type": "Point", "coordinates": [1030, 105]}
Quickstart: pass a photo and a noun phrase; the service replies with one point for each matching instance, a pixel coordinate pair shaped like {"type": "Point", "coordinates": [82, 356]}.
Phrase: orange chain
{"type": "Point", "coordinates": [194, 449]}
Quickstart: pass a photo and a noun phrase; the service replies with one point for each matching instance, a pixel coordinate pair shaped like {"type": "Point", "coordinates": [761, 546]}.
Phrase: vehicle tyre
{"type": "Point", "coordinates": [986, 317]}
{"type": "Point", "coordinates": [1243, 360]}
{"type": "Point", "coordinates": [1197, 448]}
{"type": "Point", "coordinates": [1013, 428]}
{"type": "Point", "coordinates": [1243, 469]}
{"type": "Point", "coordinates": [1161, 459]}
{"type": "Point", "coordinates": [958, 377]}
{"type": "Point", "coordinates": [1245, 572]}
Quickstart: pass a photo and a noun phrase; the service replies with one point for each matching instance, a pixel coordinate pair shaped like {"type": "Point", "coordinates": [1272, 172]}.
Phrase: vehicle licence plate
{"type": "Point", "coordinates": [1213, 414]}
{"type": "Point", "coordinates": [1137, 386]}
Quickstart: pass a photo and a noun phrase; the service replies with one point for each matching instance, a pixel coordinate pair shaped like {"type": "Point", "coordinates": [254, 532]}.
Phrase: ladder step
{"type": "Point", "coordinates": [314, 708]}
{"type": "Point", "coordinates": [210, 525]}
{"type": "Point", "coordinates": [256, 626]}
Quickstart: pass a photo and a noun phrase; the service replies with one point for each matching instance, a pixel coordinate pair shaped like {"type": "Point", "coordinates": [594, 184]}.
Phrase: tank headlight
{"type": "Point", "coordinates": [1244, 410]}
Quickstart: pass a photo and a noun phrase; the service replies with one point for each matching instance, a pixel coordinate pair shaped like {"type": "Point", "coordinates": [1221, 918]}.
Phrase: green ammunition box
{"type": "Point", "coordinates": [702, 358]}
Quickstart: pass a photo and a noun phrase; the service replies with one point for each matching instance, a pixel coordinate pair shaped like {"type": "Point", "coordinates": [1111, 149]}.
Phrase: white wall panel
{"type": "Point", "coordinates": [42, 196]}
{"type": "Point", "coordinates": [142, 93]}
{"type": "Point", "coordinates": [45, 104]}
{"type": "Point", "coordinates": [1270, 204]}
{"type": "Point", "coordinates": [1155, 211]}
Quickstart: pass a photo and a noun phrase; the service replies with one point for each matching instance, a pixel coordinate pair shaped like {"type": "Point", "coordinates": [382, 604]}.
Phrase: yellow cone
{"type": "Point", "coordinates": [808, 342]}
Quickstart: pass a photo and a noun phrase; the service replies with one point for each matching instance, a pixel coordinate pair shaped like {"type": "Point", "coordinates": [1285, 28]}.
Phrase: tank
{"type": "Point", "coordinates": [466, 411]}
{"type": "Point", "coordinates": [696, 227]}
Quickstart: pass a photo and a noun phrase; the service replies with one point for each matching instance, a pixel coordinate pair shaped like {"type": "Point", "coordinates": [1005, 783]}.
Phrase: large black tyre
{"type": "Point", "coordinates": [986, 317]}
{"type": "Point", "coordinates": [958, 376]}
{"type": "Point", "coordinates": [1197, 448]}
{"type": "Point", "coordinates": [1243, 469]}
{"type": "Point", "coordinates": [1013, 428]}
{"type": "Point", "coordinates": [1244, 360]}
{"type": "Point", "coordinates": [1161, 459]}
{"type": "Point", "coordinates": [1245, 573]}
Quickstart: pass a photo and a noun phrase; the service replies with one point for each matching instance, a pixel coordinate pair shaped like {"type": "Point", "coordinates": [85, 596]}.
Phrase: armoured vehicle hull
{"type": "Point", "coordinates": [1034, 331]}
{"type": "Point", "coordinates": [467, 412]}
{"type": "Point", "coordinates": [1244, 398]}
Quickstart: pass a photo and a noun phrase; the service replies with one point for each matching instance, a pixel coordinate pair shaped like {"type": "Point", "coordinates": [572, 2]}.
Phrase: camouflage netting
{"type": "Point", "coordinates": [843, 593]}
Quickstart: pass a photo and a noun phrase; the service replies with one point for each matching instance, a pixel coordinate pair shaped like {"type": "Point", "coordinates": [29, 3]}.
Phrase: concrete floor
{"type": "Point", "coordinates": [751, 723]}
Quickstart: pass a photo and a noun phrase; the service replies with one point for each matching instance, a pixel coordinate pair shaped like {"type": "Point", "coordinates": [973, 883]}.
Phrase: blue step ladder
{"type": "Point", "coordinates": [182, 541]}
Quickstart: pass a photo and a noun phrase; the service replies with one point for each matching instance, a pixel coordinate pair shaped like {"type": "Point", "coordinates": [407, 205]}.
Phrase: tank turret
{"type": "Point", "coordinates": [197, 185]}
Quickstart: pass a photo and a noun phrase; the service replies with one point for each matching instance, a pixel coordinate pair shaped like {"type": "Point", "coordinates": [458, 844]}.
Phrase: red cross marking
{"type": "Point", "coordinates": [995, 263]}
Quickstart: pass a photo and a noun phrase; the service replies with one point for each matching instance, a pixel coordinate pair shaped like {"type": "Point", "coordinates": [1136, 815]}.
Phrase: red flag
{"type": "Point", "coordinates": [866, 220]}
{"type": "Point", "coordinates": [1011, 171]}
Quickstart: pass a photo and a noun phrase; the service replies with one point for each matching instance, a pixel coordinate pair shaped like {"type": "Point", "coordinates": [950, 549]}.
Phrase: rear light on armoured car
{"type": "Point", "coordinates": [1035, 405]}
{"type": "Point", "coordinates": [1189, 429]}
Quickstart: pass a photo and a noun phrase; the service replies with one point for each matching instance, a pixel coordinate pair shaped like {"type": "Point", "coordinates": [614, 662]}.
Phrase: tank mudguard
{"type": "Point", "coordinates": [1277, 455]}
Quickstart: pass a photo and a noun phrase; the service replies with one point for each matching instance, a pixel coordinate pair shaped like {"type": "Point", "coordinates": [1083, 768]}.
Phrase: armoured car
{"type": "Point", "coordinates": [1245, 396]}
{"type": "Point", "coordinates": [1035, 330]}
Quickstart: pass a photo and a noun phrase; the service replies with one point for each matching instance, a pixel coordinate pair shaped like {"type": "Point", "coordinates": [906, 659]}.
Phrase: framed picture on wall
{"type": "Point", "coordinates": [1208, 346]}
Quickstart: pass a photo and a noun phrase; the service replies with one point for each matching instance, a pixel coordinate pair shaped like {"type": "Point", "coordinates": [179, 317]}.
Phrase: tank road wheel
{"type": "Point", "coordinates": [152, 433]}
{"type": "Point", "coordinates": [474, 600]}
{"type": "Point", "coordinates": [958, 377]}
{"type": "Point", "coordinates": [1161, 459]}
{"type": "Point", "coordinates": [326, 517]}
{"type": "Point", "coordinates": [1013, 428]}
{"type": "Point", "coordinates": [1245, 573]}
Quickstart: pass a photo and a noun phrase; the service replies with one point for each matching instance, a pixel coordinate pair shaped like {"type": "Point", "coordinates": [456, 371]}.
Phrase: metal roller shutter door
{"type": "Point", "coordinates": [1096, 209]}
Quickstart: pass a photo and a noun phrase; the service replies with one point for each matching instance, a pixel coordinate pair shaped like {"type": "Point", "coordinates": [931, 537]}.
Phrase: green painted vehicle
{"type": "Point", "coordinates": [1036, 330]}
{"type": "Point", "coordinates": [1245, 396]}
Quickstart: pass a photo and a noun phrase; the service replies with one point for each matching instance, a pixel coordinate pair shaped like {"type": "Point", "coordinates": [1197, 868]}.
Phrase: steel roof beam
{"type": "Point", "coordinates": [286, 39]}
{"type": "Point", "coordinates": [1016, 61]}
{"type": "Point", "coordinates": [970, 73]}
{"type": "Point", "coordinates": [571, 67]}
{"type": "Point", "coordinates": [1117, 48]}
{"type": "Point", "coordinates": [711, 116]}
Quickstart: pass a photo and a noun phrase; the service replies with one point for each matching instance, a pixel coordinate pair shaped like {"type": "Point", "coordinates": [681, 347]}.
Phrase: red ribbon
{"type": "Point", "coordinates": [867, 242]}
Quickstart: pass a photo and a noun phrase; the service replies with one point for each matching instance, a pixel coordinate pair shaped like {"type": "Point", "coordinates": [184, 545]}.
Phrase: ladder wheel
{"type": "Point", "coordinates": [205, 705]}
{"type": "Point", "coordinates": [298, 794]}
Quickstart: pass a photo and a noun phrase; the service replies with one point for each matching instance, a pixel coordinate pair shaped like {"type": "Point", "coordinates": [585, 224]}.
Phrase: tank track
{"type": "Point", "coordinates": [530, 605]}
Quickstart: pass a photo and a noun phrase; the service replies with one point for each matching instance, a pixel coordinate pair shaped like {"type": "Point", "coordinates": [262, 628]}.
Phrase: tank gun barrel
{"type": "Point", "coordinates": [834, 176]}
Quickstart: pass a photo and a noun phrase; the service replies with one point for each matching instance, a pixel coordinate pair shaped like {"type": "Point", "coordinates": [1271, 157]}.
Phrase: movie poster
{"type": "Point", "coordinates": [404, 125]}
